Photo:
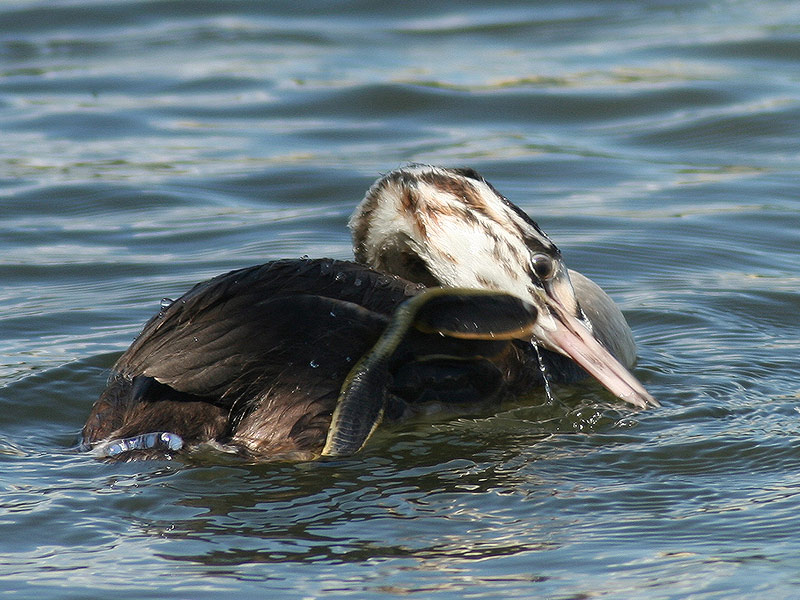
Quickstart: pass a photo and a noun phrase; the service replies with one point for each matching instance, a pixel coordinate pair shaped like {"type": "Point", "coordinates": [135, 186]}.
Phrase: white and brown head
{"type": "Point", "coordinates": [450, 227]}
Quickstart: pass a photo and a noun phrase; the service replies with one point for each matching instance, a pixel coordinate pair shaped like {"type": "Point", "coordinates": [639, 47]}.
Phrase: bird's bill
{"type": "Point", "coordinates": [565, 334]}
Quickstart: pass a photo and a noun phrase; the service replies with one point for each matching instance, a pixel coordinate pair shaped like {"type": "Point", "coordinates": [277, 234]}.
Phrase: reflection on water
{"type": "Point", "coordinates": [148, 147]}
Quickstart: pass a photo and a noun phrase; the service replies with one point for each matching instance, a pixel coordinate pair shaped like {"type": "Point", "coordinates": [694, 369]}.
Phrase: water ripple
{"type": "Point", "coordinates": [149, 145]}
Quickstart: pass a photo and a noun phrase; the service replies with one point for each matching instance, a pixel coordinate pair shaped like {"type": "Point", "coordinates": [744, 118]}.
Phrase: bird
{"type": "Point", "coordinates": [456, 298]}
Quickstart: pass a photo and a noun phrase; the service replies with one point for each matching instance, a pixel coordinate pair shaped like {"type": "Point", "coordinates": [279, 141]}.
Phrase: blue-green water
{"type": "Point", "coordinates": [145, 146]}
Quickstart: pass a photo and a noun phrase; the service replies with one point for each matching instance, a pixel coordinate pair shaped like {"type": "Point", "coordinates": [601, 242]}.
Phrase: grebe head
{"type": "Point", "coordinates": [450, 227]}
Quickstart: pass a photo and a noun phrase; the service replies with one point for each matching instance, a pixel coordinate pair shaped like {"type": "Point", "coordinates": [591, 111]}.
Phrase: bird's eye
{"type": "Point", "coordinates": [543, 266]}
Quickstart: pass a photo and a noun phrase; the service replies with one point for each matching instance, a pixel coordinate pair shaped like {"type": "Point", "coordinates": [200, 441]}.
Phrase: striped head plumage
{"type": "Point", "coordinates": [450, 227]}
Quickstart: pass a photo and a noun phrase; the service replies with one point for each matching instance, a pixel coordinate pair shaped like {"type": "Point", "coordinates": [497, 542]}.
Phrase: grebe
{"type": "Point", "coordinates": [452, 288]}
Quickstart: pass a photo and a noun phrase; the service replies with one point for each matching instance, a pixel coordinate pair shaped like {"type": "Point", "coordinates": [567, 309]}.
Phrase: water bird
{"type": "Point", "coordinates": [456, 298]}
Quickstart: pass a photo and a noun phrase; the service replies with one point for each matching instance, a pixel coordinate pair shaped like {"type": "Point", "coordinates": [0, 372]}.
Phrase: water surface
{"type": "Point", "coordinates": [148, 145]}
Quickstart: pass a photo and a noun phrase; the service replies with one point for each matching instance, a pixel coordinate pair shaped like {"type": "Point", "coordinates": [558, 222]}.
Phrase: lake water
{"type": "Point", "coordinates": [145, 146]}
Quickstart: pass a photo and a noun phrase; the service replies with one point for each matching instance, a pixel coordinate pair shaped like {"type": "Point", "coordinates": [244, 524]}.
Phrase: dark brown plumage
{"type": "Point", "coordinates": [204, 367]}
{"type": "Point", "coordinates": [255, 359]}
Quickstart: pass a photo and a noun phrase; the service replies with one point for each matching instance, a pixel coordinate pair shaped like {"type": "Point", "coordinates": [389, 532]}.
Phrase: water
{"type": "Point", "coordinates": [148, 145]}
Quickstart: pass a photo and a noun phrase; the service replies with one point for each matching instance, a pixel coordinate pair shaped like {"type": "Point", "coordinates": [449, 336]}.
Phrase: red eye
{"type": "Point", "coordinates": [543, 266]}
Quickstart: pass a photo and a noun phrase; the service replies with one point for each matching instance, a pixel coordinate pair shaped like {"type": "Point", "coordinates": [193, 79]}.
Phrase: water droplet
{"type": "Point", "coordinates": [547, 389]}
{"type": "Point", "coordinates": [348, 359]}
{"type": "Point", "coordinates": [304, 257]}
{"type": "Point", "coordinates": [325, 267]}
{"type": "Point", "coordinates": [313, 364]}
{"type": "Point", "coordinates": [357, 282]}
{"type": "Point", "coordinates": [166, 303]}
{"type": "Point", "coordinates": [333, 314]}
